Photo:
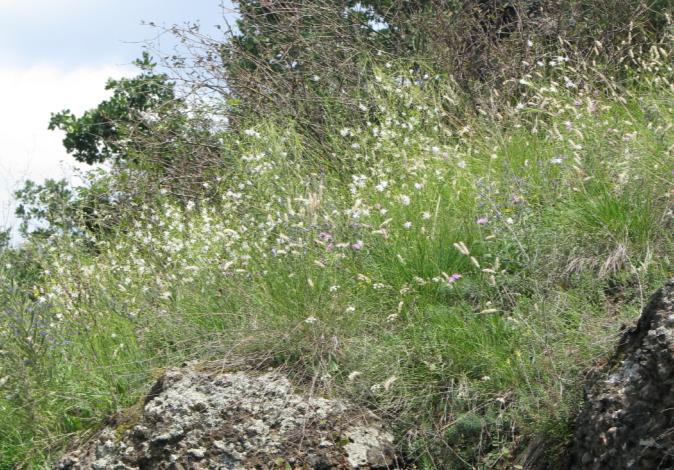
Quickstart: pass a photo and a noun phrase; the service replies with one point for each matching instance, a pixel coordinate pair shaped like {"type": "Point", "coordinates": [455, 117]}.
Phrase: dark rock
{"type": "Point", "coordinates": [627, 421]}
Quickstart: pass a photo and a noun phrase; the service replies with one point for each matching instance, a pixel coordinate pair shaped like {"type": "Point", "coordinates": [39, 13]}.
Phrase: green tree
{"type": "Point", "coordinates": [119, 126]}
{"type": "Point", "coordinates": [5, 237]}
{"type": "Point", "coordinates": [46, 209]}
{"type": "Point", "coordinates": [147, 132]}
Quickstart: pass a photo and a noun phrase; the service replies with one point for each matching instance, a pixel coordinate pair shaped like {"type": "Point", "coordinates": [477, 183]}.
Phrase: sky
{"type": "Point", "coordinates": [58, 54]}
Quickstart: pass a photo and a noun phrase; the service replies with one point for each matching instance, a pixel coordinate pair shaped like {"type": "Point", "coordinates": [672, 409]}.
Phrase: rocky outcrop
{"type": "Point", "coordinates": [200, 418]}
{"type": "Point", "coordinates": [628, 419]}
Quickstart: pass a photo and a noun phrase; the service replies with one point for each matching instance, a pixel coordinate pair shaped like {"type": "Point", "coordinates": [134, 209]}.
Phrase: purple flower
{"type": "Point", "coordinates": [358, 245]}
{"type": "Point", "coordinates": [325, 236]}
{"type": "Point", "coordinates": [453, 278]}
{"type": "Point", "coordinates": [482, 221]}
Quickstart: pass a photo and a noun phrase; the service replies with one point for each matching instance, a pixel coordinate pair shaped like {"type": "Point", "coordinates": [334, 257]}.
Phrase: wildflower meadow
{"type": "Point", "coordinates": [454, 268]}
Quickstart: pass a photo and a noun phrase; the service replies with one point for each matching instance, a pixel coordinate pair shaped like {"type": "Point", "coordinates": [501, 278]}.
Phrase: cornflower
{"type": "Point", "coordinates": [453, 278]}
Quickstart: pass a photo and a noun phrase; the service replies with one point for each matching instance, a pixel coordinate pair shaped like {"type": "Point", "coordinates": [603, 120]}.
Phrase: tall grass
{"type": "Point", "coordinates": [458, 278]}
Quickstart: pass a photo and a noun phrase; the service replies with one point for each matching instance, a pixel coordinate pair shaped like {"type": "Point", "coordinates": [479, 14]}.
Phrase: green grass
{"type": "Point", "coordinates": [342, 277]}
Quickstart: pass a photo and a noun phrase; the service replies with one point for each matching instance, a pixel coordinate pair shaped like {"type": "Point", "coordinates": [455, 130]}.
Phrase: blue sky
{"type": "Point", "coordinates": [57, 54]}
{"type": "Point", "coordinates": [91, 32]}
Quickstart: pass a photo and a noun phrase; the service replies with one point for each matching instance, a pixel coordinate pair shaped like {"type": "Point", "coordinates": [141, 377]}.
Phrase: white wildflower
{"type": "Point", "coordinates": [381, 186]}
{"type": "Point", "coordinates": [359, 180]}
{"type": "Point", "coordinates": [387, 384]}
{"type": "Point", "coordinates": [251, 133]}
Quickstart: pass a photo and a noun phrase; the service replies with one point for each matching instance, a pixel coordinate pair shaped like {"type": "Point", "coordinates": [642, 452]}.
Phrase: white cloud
{"type": "Point", "coordinates": [28, 150]}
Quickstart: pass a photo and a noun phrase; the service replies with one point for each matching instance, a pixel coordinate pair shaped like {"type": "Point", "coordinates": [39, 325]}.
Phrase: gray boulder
{"type": "Point", "coordinates": [628, 419]}
{"type": "Point", "coordinates": [200, 417]}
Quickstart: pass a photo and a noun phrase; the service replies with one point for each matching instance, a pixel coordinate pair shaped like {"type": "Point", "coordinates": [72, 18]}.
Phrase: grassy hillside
{"type": "Point", "coordinates": [457, 270]}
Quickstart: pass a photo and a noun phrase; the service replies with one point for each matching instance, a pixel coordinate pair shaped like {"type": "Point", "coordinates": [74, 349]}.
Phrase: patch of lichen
{"type": "Point", "coordinates": [128, 418]}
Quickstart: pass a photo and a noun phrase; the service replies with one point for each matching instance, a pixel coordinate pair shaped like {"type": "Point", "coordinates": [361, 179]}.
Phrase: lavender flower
{"type": "Point", "coordinates": [453, 278]}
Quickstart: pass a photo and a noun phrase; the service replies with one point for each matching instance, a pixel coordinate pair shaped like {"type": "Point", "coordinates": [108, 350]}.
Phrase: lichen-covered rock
{"type": "Point", "coordinates": [628, 419]}
{"type": "Point", "coordinates": [210, 419]}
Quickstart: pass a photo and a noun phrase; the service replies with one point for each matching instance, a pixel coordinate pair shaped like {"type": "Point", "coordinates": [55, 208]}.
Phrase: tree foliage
{"type": "Point", "coordinates": [114, 130]}
{"type": "Point", "coordinates": [46, 209]}
{"type": "Point", "coordinates": [309, 60]}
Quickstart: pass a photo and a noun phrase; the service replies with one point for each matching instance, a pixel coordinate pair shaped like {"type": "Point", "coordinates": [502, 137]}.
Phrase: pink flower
{"type": "Point", "coordinates": [358, 245]}
{"type": "Point", "coordinates": [482, 221]}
